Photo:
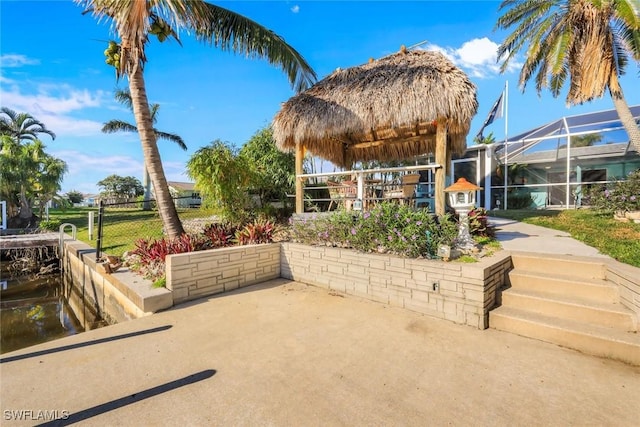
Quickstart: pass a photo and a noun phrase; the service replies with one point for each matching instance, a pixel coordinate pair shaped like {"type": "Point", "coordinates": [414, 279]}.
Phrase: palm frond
{"type": "Point", "coordinates": [123, 96]}
{"type": "Point", "coordinates": [171, 137]}
{"type": "Point", "coordinates": [113, 126]}
{"type": "Point", "coordinates": [230, 31]}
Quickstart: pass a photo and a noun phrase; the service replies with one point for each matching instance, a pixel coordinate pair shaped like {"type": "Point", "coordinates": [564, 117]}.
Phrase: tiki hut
{"type": "Point", "coordinates": [394, 108]}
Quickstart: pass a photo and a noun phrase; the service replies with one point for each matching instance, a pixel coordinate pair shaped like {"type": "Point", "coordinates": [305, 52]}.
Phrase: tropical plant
{"type": "Point", "coordinates": [27, 173]}
{"type": "Point", "coordinates": [588, 41]}
{"type": "Point", "coordinates": [22, 151]}
{"type": "Point", "coordinates": [479, 223]}
{"type": "Point", "coordinates": [481, 139]}
{"type": "Point", "coordinates": [220, 234]}
{"type": "Point", "coordinates": [223, 177]}
{"type": "Point", "coordinates": [21, 126]}
{"type": "Point", "coordinates": [255, 233]}
{"type": "Point", "coordinates": [48, 181]}
{"type": "Point", "coordinates": [112, 126]}
{"type": "Point", "coordinates": [134, 21]}
{"type": "Point", "coordinates": [273, 171]}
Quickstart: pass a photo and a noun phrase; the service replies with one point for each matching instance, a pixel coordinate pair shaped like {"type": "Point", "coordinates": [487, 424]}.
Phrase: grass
{"type": "Point", "coordinates": [122, 227]}
{"type": "Point", "coordinates": [619, 240]}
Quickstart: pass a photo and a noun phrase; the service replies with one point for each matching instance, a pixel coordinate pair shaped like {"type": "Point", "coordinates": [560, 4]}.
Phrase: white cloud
{"type": "Point", "coordinates": [56, 106]}
{"type": "Point", "coordinates": [79, 163]}
{"type": "Point", "coordinates": [478, 57]}
{"type": "Point", "coordinates": [295, 9]}
{"type": "Point", "coordinates": [12, 60]}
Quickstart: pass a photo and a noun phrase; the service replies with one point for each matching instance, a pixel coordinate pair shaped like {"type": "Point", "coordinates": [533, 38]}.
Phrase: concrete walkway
{"type": "Point", "coordinates": [286, 354]}
{"type": "Point", "coordinates": [521, 237]}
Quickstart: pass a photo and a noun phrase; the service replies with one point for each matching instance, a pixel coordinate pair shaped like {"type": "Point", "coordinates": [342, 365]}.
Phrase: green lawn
{"type": "Point", "coordinates": [122, 227]}
{"type": "Point", "coordinates": [616, 239]}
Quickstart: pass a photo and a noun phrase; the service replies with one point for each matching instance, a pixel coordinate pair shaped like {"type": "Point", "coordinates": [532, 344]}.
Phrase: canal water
{"type": "Point", "coordinates": [37, 310]}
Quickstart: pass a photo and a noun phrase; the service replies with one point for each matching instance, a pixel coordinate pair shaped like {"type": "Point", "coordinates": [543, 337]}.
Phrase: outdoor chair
{"type": "Point", "coordinates": [409, 183]}
{"type": "Point", "coordinates": [341, 194]}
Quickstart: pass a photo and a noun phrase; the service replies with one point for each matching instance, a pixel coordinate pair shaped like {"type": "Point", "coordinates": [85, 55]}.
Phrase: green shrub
{"type": "Point", "coordinates": [388, 228]}
{"type": "Point", "coordinates": [621, 196]}
{"type": "Point", "coordinates": [517, 200]}
{"type": "Point", "coordinates": [51, 225]}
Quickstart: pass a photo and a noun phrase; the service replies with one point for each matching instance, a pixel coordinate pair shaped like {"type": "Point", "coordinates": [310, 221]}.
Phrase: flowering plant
{"type": "Point", "coordinates": [387, 228]}
{"type": "Point", "coordinates": [621, 196]}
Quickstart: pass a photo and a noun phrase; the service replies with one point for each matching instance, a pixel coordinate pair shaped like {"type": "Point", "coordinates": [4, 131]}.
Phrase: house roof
{"type": "Point", "coordinates": [181, 186]}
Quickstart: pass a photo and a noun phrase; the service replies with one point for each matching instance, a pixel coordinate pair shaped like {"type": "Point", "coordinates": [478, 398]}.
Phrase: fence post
{"type": "Point", "coordinates": [100, 221]}
{"type": "Point", "coordinates": [92, 215]}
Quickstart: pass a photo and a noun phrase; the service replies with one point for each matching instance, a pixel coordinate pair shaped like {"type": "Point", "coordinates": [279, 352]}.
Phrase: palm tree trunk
{"type": "Point", "coordinates": [25, 206]}
{"type": "Point", "coordinates": [142, 114]}
{"type": "Point", "coordinates": [624, 112]}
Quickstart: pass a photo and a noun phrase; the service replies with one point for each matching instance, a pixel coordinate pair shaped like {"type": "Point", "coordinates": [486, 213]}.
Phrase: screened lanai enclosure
{"type": "Point", "coordinates": [553, 165]}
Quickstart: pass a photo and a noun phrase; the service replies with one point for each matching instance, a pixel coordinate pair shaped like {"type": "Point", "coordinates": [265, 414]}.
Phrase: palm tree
{"type": "Point", "coordinates": [21, 126]}
{"type": "Point", "coordinates": [113, 126]}
{"type": "Point", "coordinates": [27, 172]}
{"type": "Point", "coordinates": [19, 159]}
{"type": "Point", "coordinates": [133, 21]}
{"type": "Point", "coordinates": [588, 41]}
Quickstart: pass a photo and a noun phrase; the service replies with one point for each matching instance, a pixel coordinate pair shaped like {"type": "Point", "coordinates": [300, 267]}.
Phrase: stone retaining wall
{"type": "Point", "coordinates": [627, 278]}
{"type": "Point", "coordinates": [462, 293]}
{"type": "Point", "coordinates": [196, 274]}
{"type": "Point", "coordinates": [115, 297]}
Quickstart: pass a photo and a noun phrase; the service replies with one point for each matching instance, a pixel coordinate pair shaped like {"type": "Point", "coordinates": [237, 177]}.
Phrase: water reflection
{"type": "Point", "coordinates": [33, 312]}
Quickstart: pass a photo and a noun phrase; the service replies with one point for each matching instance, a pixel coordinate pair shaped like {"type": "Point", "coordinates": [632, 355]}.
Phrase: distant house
{"type": "Point", "coordinates": [536, 169]}
{"type": "Point", "coordinates": [89, 200]}
{"type": "Point", "coordinates": [185, 194]}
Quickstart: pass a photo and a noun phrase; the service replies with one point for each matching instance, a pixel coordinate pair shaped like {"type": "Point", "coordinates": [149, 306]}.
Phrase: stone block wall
{"type": "Point", "coordinates": [114, 297]}
{"type": "Point", "coordinates": [462, 293]}
{"type": "Point", "coordinates": [197, 274]}
{"type": "Point", "coordinates": [627, 278]}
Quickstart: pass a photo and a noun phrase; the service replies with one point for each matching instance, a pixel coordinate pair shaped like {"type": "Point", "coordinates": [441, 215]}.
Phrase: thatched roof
{"type": "Point", "coordinates": [384, 110]}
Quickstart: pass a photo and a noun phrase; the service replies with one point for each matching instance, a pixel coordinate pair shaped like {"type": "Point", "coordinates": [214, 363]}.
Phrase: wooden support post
{"type": "Point", "coordinates": [441, 159]}
{"type": "Point", "coordinates": [299, 187]}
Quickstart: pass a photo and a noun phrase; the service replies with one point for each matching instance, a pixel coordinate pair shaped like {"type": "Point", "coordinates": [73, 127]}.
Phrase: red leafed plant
{"type": "Point", "coordinates": [255, 233]}
{"type": "Point", "coordinates": [220, 234]}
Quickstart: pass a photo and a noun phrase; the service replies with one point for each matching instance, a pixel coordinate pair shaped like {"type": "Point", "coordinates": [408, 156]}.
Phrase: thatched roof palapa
{"type": "Point", "coordinates": [383, 110]}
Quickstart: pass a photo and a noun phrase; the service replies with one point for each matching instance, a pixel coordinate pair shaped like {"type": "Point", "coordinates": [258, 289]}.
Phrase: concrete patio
{"type": "Point", "coordinates": [284, 353]}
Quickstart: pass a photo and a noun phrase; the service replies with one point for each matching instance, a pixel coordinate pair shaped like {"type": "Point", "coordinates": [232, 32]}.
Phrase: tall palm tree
{"type": "Point", "coordinates": [112, 126]}
{"type": "Point", "coordinates": [20, 158]}
{"type": "Point", "coordinates": [21, 126]}
{"type": "Point", "coordinates": [133, 21]}
{"type": "Point", "coordinates": [588, 41]}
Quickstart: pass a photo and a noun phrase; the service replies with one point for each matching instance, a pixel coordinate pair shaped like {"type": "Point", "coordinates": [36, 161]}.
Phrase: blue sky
{"type": "Point", "coordinates": [52, 67]}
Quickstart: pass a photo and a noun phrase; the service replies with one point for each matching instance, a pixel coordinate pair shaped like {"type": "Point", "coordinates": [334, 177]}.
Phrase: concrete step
{"type": "Point", "coordinates": [610, 315]}
{"type": "Point", "coordinates": [587, 338]}
{"type": "Point", "coordinates": [596, 290]}
{"type": "Point", "coordinates": [566, 265]}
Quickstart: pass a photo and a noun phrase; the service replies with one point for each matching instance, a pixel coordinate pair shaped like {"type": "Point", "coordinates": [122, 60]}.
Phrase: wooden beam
{"type": "Point", "coordinates": [379, 142]}
{"type": "Point", "coordinates": [299, 171]}
{"type": "Point", "coordinates": [441, 158]}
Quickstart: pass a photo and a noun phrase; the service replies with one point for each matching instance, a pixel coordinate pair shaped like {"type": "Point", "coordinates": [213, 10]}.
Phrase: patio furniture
{"type": "Point", "coordinates": [409, 183]}
{"type": "Point", "coordinates": [342, 193]}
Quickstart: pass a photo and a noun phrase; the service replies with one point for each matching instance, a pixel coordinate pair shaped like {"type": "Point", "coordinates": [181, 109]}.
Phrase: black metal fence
{"type": "Point", "coordinates": [122, 223]}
